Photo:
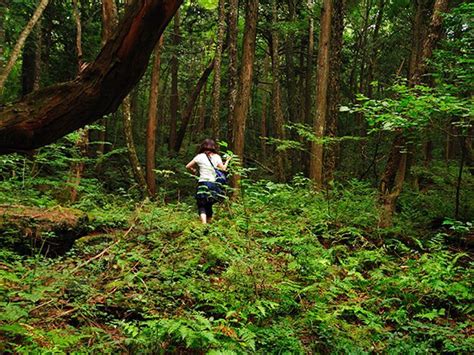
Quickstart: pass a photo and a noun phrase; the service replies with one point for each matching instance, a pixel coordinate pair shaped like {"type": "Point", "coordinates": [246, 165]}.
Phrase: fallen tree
{"type": "Point", "coordinates": [48, 114]}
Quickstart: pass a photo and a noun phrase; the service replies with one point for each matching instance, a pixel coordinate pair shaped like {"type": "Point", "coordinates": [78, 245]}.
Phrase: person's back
{"type": "Point", "coordinates": [206, 162]}
{"type": "Point", "coordinates": [206, 169]}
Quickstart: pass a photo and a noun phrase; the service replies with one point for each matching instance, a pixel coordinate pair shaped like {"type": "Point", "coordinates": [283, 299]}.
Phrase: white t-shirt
{"type": "Point", "coordinates": [206, 171]}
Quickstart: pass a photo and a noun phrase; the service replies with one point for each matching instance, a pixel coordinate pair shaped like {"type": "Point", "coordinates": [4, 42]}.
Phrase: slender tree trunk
{"type": "Point", "coordinates": [245, 88]}
{"type": "Point", "coordinates": [109, 26]}
{"type": "Point", "coordinates": [317, 148]}
{"type": "Point", "coordinates": [77, 168]}
{"type": "Point", "coordinates": [374, 47]}
{"type": "Point", "coordinates": [20, 42]}
{"type": "Point", "coordinates": [216, 92]}
{"type": "Point", "coordinates": [276, 94]}
{"type": "Point", "coordinates": [202, 110]}
{"type": "Point", "coordinates": [233, 15]}
{"type": "Point", "coordinates": [187, 114]}
{"type": "Point", "coordinates": [293, 99]}
{"type": "Point", "coordinates": [174, 98]}
{"type": "Point", "coordinates": [132, 153]}
{"type": "Point", "coordinates": [434, 34]}
{"type": "Point", "coordinates": [335, 64]}
{"type": "Point", "coordinates": [308, 100]}
{"type": "Point", "coordinates": [3, 8]}
{"type": "Point", "coordinates": [153, 120]}
{"type": "Point", "coordinates": [31, 61]}
{"type": "Point", "coordinates": [396, 168]}
{"type": "Point", "coordinates": [264, 113]}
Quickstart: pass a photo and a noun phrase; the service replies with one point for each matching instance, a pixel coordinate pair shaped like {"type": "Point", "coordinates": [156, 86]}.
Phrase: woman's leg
{"type": "Point", "coordinates": [209, 213]}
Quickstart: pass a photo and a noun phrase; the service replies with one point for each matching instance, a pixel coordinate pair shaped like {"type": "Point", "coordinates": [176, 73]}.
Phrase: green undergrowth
{"type": "Point", "coordinates": [286, 270]}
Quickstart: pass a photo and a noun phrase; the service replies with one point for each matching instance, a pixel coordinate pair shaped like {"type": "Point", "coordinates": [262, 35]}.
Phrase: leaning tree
{"type": "Point", "coordinates": [50, 113]}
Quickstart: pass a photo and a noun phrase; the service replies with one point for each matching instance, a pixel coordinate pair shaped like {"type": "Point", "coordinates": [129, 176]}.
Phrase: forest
{"type": "Point", "coordinates": [345, 221]}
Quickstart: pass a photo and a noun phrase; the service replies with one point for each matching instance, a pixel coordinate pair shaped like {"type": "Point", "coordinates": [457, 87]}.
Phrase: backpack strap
{"type": "Point", "coordinates": [210, 161]}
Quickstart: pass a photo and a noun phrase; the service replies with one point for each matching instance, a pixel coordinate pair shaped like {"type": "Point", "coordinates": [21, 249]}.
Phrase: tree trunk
{"type": "Point", "coordinates": [293, 99]}
{"type": "Point", "coordinates": [317, 148]}
{"type": "Point", "coordinates": [77, 167]}
{"type": "Point", "coordinates": [153, 120]}
{"type": "Point", "coordinates": [190, 106]}
{"type": "Point", "coordinates": [109, 20]}
{"type": "Point", "coordinates": [31, 61]}
{"type": "Point", "coordinates": [132, 153]}
{"type": "Point", "coordinates": [3, 7]}
{"type": "Point", "coordinates": [396, 168]}
{"type": "Point", "coordinates": [174, 98]}
{"type": "Point", "coordinates": [202, 110]}
{"type": "Point", "coordinates": [434, 34]}
{"type": "Point", "coordinates": [20, 42]}
{"type": "Point", "coordinates": [278, 118]}
{"type": "Point", "coordinates": [233, 63]}
{"type": "Point", "coordinates": [245, 88]}
{"type": "Point", "coordinates": [50, 113]}
{"type": "Point", "coordinates": [308, 102]}
{"type": "Point", "coordinates": [109, 26]}
{"type": "Point", "coordinates": [216, 92]}
{"type": "Point", "coordinates": [335, 65]}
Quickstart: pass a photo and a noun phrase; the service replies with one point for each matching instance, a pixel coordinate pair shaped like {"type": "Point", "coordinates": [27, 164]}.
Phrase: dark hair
{"type": "Point", "coordinates": [208, 146]}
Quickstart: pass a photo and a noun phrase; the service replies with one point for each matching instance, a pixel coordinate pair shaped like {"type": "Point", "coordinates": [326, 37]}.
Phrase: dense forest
{"type": "Point", "coordinates": [347, 221]}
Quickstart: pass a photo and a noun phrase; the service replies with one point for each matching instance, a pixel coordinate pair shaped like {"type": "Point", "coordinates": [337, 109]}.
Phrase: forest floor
{"type": "Point", "coordinates": [285, 270]}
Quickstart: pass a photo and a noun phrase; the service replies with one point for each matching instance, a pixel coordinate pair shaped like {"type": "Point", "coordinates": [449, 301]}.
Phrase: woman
{"type": "Point", "coordinates": [206, 162]}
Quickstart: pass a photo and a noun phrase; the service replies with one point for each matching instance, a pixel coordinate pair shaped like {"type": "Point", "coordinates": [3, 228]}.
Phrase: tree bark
{"type": "Point", "coordinates": [293, 99]}
{"type": "Point", "coordinates": [109, 26]}
{"type": "Point", "coordinates": [153, 120]}
{"type": "Point", "coordinates": [308, 103]}
{"type": "Point", "coordinates": [3, 7]}
{"type": "Point", "coordinates": [216, 92]}
{"type": "Point", "coordinates": [174, 98]}
{"type": "Point", "coordinates": [50, 113]}
{"type": "Point", "coordinates": [335, 65]}
{"type": "Point", "coordinates": [190, 106]}
{"type": "Point", "coordinates": [278, 117]}
{"type": "Point", "coordinates": [77, 167]}
{"type": "Point", "coordinates": [245, 88]}
{"type": "Point", "coordinates": [396, 168]}
{"type": "Point", "coordinates": [233, 14]}
{"type": "Point", "coordinates": [20, 43]}
{"type": "Point", "coordinates": [317, 148]}
{"type": "Point", "coordinates": [202, 110]}
{"type": "Point", "coordinates": [132, 153]}
{"type": "Point", "coordinates": [31, 61]}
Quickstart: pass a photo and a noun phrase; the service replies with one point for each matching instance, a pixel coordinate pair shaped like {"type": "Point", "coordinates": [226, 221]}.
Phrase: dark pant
{"type": "Point", "coordinates": [206, 196]}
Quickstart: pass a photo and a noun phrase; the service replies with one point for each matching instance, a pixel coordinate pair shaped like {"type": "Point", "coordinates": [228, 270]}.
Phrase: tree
{"type": "Point", "coordinates": [278, 117]}
{"type": "Point", "coordinates": [245, 84]}
{"type": "Point", "coordinates": [191, 103]}
{"type": "Point", "coordinates": [216, 92]}
{"type": "Point", "coordinates": [132, 152]}
{"type": "Point", "coordinates": [393, 177]}
{"type": "Point", "coordinates": [109, 26]}
{"type": "Point", "coordinates": [174, 98]}
{"type": "Point", "coordinates": [317, 150]}
{"type": "Point", "coordinates": [153, 119]}
{"type": "Point", "coordinates": [48, 114]}
{"type": "Point", "coordinates": [233, 15]}
{"type": "Point", "coordinates": [20, 42]}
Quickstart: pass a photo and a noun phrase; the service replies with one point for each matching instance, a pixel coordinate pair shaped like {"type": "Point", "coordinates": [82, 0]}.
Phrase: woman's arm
{"type": "Point", "coordinates": [224, 166]}
{"type": "Point", "coordinates": [192, 166]}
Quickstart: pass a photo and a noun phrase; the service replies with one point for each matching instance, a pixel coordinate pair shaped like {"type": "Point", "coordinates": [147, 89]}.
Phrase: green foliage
{"type": "Point", "coordinates": [307, 274]}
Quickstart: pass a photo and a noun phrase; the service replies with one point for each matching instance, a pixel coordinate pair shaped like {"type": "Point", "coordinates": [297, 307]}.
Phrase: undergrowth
{"type": "Point", "coordinates": [284, 270]}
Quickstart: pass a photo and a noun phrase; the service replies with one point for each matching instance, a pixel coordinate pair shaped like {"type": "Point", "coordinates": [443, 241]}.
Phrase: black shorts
{"type": "Point", "coordinates": [205, 197]}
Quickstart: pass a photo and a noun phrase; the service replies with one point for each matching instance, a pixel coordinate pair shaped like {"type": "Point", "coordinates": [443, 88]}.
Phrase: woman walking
{"type": "Point", "coordinates": [207, 163]}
